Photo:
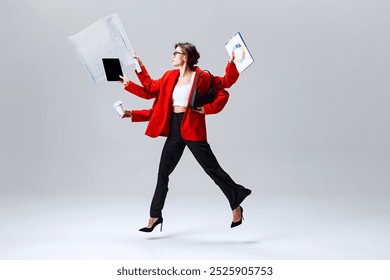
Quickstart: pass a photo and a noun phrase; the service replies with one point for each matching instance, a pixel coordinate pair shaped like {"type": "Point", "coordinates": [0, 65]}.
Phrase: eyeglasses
{"type": "Point", "coordinates": [175, 53]}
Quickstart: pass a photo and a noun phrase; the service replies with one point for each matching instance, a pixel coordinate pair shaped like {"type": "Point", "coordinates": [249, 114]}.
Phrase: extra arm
{"type": "Point", "coordinates": [151, 86]}
{"type": "Point", "coordinates": [222, 97]}
{"type": "Point", "coordinates": [149, 89]}
{"type": "Point", "coordinates": [220, 83]}
{"type": "Point", "coordinates": [141, 115]}
{"type": "Point", "coordinates": [139, 90]}
{"type": "Point", "coordinates": [230, 78]}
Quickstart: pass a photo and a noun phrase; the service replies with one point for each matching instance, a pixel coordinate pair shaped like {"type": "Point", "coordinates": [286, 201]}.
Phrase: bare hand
{"type": "Point", "coordinates": [233, 57]}
{"type": "Point", "coordinates": [127, 114]}
{"type": "Point", "coordinates": [136, 57]}
{"type": "Point", "coordinates": [200, 110]}
{"type": "Point", "coordinates": [125, 81]}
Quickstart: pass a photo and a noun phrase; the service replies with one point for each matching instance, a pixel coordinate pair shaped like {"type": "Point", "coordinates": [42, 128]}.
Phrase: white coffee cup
{"type": "Point", "coordinates": [119, 108]}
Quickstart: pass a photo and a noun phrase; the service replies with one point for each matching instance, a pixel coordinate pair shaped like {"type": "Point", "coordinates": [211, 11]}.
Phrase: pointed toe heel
{"type": "Point", "coordinates": [234, 224]}
{"type": "Point", "coordinates": [156, 223]}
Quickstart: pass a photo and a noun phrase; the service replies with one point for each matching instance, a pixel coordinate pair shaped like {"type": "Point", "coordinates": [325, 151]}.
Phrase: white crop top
{"type": "Point", "coordinates": [181, 94]}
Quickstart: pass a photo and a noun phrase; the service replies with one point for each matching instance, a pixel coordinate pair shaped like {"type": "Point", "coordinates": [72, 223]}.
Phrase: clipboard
{"type": "Point", "coordinates": [243, 58]}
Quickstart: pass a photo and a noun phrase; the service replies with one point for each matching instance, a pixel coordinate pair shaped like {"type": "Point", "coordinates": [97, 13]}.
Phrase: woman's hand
{"type": "Point", "coordinates": [127, 114]}
{"type": "Point", "coordinates": [233, 57]}
{"type": "Point", "coordinates": [125, 81]}
{"type": "Point", "coordinates": [136, 57]}
{"type": "Point", "coordinates": [200, 110]}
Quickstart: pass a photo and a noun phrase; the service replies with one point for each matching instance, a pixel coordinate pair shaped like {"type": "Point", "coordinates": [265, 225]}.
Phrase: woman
{"type": "Point", "coordinates": [171, 116]}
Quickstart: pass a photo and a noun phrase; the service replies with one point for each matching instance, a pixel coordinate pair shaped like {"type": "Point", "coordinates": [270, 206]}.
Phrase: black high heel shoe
{"type": "Point", "coordinates": [150, 229]}
{"type": "Point", "coordinates": [234, 224]}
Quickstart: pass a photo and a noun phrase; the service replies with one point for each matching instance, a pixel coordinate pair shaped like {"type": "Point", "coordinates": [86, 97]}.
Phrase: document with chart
{"type": "Point", "coordinates": [243, 57]}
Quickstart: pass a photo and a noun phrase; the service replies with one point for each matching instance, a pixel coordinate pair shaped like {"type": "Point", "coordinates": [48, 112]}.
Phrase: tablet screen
{"type": "Point", "coordinates": [113, 69]}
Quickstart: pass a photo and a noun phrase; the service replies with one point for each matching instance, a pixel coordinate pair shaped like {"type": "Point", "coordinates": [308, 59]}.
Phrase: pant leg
{"type": "Point", "coordinates": [170, 156]}
{"type": "Point", "coordinates": [235, 193]}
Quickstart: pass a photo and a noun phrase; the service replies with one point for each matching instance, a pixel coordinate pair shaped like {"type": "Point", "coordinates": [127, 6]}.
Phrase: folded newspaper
{"type": "Point", "coordinates": [104, 39]}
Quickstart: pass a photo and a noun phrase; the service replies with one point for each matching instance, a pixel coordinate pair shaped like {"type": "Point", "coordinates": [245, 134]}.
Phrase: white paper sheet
{"type": "Point", "coordinates": [243, 57]}
{"type": "Point", "coordinates": [104, 38]}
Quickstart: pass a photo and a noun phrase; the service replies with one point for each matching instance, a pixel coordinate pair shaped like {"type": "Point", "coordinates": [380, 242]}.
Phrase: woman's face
{"type": "Point", "coordinates": [178, 57]}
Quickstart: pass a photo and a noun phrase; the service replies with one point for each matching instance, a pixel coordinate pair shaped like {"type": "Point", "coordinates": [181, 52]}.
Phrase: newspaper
{"type": "Point", "coordinates": [104, 39]}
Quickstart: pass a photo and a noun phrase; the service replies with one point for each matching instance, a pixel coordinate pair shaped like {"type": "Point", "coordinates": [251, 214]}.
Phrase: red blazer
{"type": "Point", "coordinates": [193, 126]}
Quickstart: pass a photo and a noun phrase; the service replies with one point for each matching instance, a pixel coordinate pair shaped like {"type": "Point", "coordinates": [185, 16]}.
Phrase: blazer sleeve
{"type": "Point", "coordinates": [222, 97]}
{"type": "Point", "coordinates": [151, 86]}
{"type": "Point", "coordinates": [230, 78]}
{"type": "Point", "coordinates": [139, 91]}
{"type": "Point", "coordinates": [141, 115]}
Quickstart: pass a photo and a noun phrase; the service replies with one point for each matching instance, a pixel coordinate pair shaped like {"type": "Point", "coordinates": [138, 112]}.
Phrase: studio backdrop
{"type": "Point", "coordinates": [310, 115]}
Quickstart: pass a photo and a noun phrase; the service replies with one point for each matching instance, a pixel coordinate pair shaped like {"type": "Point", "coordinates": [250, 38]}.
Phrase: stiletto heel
{"type": "Point", "coordinates": [234, 224]}
{"type": "Point", "coordinates": [150, 229]}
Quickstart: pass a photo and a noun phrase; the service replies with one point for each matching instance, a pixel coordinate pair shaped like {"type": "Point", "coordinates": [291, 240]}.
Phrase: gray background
{"type": "Point", "coordinates": [309, 116]}
{"type": "Point", "coordinates": [309, 119]}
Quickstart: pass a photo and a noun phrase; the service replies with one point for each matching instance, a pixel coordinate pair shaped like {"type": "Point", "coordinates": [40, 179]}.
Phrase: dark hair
{"type": "Point", "coordinates": [191, 52]}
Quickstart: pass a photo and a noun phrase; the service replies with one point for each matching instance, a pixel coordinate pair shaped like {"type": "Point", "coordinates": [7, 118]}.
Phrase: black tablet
{"type": "Point", "coordinates": [113, 69]}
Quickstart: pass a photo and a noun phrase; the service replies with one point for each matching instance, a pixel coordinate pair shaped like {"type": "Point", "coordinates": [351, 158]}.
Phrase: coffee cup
{"type": "Point", "coordinates": [119, 108]}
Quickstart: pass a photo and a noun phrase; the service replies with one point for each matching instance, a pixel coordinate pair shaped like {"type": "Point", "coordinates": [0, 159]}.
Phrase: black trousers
{"type": "Point", "coordinates": [170, 156]}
